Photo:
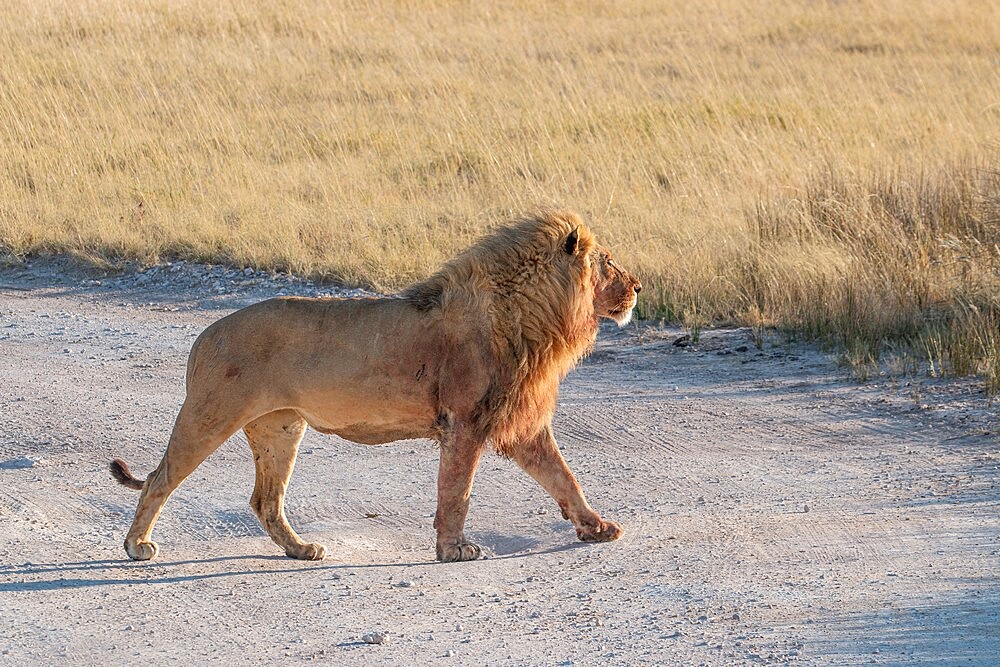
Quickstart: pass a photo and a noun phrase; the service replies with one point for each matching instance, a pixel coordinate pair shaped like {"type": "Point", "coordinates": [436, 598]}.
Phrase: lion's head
{"type": "Point", "coordinates": [616, 291]}
{"type": "Point", "coordinates": [538, 286]}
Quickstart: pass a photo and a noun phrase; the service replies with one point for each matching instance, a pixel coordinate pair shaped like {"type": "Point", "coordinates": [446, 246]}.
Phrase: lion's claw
{"type": "Point", "coordinates": [141, 550]}
{"type": "Point", "coordinates": [452, 553]}
{"type": "Point", "coordinates": [605, 531]}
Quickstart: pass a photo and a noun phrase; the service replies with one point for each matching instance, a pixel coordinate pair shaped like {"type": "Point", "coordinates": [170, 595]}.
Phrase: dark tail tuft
{"type": "Point", "coordinates": [120, 471]}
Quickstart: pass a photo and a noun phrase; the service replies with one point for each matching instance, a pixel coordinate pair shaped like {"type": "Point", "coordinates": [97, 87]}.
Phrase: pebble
{"type": "Point", "coordinates": [404, 584]}
{"type": "Point", "coordinates": [375, 638]}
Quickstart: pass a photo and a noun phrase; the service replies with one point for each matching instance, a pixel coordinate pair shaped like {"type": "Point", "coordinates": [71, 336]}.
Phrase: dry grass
{"type": "Point", "coordinates": [912, 259]}
{"type": "Point", "coordinates": [368, 142]}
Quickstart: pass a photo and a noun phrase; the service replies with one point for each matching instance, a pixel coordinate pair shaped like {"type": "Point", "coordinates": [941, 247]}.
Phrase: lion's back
{"type": "Point", "coordinates": [280, 340]}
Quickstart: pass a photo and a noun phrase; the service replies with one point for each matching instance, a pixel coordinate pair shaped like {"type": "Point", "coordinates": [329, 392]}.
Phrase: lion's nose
{"type": "Point", "coordinates": [637, 288]}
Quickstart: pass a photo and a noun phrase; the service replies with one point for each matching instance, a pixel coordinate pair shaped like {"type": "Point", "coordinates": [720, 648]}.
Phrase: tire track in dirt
{"type": "Point", "coordinates": [832, 538]}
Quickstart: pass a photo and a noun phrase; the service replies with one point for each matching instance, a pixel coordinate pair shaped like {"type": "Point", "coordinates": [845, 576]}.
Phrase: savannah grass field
{"type": "Point", "coordinates": [827, 168]}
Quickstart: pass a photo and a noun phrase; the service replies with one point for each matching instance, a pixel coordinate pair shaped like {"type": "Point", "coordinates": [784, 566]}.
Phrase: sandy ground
{"type": "Point", "coordinates": [774, 512]}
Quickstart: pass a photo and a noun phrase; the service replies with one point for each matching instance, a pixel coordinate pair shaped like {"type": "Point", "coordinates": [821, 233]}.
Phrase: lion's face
{"type": "Point", "coordinates": [615, 289]}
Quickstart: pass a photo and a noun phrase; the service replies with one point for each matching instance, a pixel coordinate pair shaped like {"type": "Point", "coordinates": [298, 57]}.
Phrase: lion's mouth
{"type": "Point", "coordinates": [623, 317]}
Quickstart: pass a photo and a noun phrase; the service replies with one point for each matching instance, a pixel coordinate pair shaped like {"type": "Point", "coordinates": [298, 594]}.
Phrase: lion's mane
{"type": "Point", "coordinates": [535, 300]}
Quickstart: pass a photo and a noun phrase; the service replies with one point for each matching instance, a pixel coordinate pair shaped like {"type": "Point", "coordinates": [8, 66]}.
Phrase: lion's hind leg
{"type": "Point", "coordinates": [274, 439]}
{"type": "Point", "coordinates": [197, 433]}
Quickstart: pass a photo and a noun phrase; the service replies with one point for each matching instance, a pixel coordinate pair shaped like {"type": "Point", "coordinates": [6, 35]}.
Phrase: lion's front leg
{"type": "Point", "coordinates": [459, 460]}
{"type": "Point", "coordinates": [541, 458]}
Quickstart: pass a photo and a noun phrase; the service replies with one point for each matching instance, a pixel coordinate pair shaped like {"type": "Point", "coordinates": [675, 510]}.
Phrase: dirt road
{"type": "Point", "coordinates": [774, 512]}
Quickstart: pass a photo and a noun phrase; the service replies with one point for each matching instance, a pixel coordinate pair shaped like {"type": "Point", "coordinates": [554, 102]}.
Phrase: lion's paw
{"type": "Point", "coordinates": [604, 531]}
{"type": "Point", "coordinates": [452, 553]}
{"type": "Point", "coordinates": [312, 551]}
{"type": "Point", "coordinates": [141, 550]}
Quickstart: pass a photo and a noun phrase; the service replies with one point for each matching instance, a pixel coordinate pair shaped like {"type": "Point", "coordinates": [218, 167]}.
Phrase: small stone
{"type": "Point", "coordinates": [448, 654]}
{"type": "Point", "coordinates": [375, 638]}
{"type": "Point", "coordinates": [66, 350]}
{"type": "Point", "coordinates": [404, 584]}
{"type": "Point", "coordinates": [459, 627]}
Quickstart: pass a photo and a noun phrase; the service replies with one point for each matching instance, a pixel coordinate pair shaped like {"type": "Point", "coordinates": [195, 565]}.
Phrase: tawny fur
{"type": "Point", "coordinates": [536, 303]}
{"type": "Point", "coordinates": [471, 357]}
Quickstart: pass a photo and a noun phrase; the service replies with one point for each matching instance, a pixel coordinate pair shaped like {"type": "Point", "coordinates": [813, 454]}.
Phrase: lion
{"type": "Point", "coordinates": [471, 357]}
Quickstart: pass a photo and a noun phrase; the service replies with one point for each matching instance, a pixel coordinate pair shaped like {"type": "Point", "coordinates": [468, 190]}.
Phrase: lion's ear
{"type": "Point", "coordinates": [573, 241]}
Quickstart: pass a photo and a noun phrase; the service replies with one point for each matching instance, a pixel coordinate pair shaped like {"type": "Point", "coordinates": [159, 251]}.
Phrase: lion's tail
{"type": "Point", "coordinates": [119, 470]}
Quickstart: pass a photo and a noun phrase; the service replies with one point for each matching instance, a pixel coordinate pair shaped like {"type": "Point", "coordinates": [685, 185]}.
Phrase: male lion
{"type": "Point", "coordinates": [470, 357]}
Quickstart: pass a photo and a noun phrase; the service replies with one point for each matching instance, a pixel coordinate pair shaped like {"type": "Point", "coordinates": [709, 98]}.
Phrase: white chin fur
{"type": "Point", "coordinates": [625, 317]}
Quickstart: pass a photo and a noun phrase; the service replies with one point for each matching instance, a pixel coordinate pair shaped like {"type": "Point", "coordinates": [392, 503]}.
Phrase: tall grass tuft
{"type": "Point", "coordinates": [912, 257]}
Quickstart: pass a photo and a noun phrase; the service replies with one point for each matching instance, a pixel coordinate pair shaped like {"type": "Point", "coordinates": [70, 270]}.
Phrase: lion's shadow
{"type": "Point", "coordinates": [20, 578]}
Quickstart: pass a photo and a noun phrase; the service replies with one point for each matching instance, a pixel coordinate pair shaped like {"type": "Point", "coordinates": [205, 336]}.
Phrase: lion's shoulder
{"type": "Point", "coordinates": [424, 296]}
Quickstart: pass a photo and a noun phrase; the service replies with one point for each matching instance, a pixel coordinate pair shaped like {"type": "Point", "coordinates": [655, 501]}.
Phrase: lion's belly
{"type": "Point", "coordinates": [374, 426]}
